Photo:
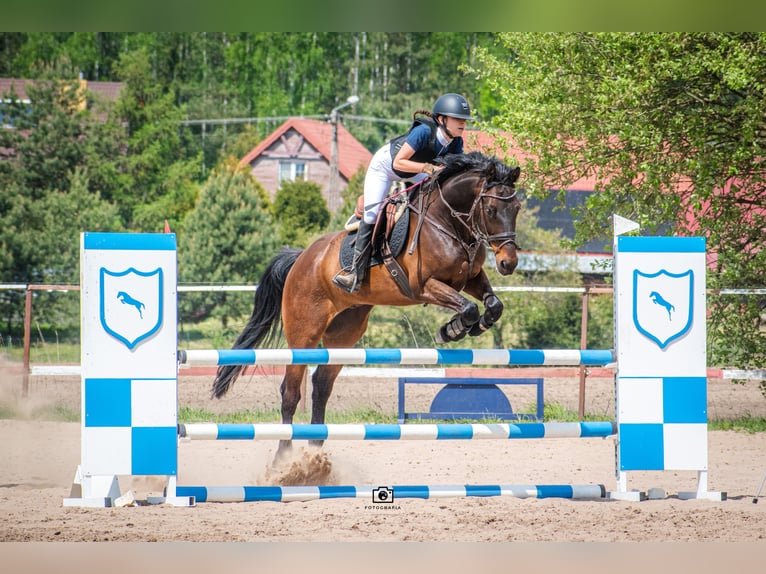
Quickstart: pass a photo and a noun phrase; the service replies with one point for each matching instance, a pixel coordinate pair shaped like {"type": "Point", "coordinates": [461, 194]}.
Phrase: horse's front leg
{"type": "Point", "coordinates": [480, 288]}
{"type": "Point", "coordinates": [467, 312]}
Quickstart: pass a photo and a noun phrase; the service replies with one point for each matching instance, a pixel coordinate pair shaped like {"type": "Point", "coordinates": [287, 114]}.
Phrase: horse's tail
{"type": "Point", "coordinates": [265, 323]}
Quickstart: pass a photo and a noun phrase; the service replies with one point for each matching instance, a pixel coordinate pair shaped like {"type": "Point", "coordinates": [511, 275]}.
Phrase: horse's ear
{"type": "Point", "coordinates": [489, 173]}
{"type": "Point", "coordinates": [515, 173]}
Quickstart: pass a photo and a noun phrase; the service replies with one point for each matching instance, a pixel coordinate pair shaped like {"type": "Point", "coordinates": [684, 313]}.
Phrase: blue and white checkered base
{"type": "Point", "coordinates": [129, 427]}
{"type": "Point", "coordinates": [663, 423]}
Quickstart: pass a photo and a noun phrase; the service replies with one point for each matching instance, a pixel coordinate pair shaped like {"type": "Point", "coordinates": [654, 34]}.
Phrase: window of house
{"type": "Point", "coordinates": [292, 171]}
{"type": "Point", "coordinates": [7, 114]}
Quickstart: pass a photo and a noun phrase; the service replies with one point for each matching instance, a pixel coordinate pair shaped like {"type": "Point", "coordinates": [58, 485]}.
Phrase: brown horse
{"type": "Point", "coordinates": [469, 204]}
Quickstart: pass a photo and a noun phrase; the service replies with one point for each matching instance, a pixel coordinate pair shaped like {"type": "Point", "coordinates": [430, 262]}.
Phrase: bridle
{"type": "Point", "coordinates": [506, 237]}
{"type": "Point", "coordinates": [477, 229]}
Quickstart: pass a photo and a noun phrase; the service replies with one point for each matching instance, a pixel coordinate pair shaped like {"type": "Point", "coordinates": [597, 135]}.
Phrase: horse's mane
{"type": "Point", "coordinates": [477, 161]}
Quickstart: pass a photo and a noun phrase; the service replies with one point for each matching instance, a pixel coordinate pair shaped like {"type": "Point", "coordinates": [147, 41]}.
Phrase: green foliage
{"type": "Point", "coordinates": [748, 425]}
{"type": "Point", "coordinates": [50, 412]}
{"type": "Point", "coordinates": [244, 142]}
{"type": "Point", "coordinates": [553, 321]}
{"type": "Point", "coordinates": [193, 415]}
{"type": "Point", "coordinates": [639, 113]}
{"type": "Point", "coordinates": [266, 74]}
{"type": "Point", "coordinates": [349, 196]}
{"type": "Point", "coordinates": [48, 198]}
{"type": "Point", "coordinates": [671, 126]}
{"type": "Point", "coordinates": [160, 177]}
{"type": "Point", "coordinates": [229, 238]}
{"type": "Point", "coordinates": [555, 412]}
{"type": "Point", "coordinates": [301, 210]}
{"type": "Point", "coordinates": [135, 160]}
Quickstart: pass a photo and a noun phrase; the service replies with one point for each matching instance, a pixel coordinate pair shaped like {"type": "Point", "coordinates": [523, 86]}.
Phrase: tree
{"type": "Point", "coordinates": [302, 211]}
{"type": "Point", "coordinates": [161, 179]}
{"type": "Point", "coordinates": [349, 197]}
{"type": "Point", "coordinates": [47, 194]}
{"type": "Point", "coordinates": [672, 126]}
{"type": "Point", "coordinates": [229, 238]}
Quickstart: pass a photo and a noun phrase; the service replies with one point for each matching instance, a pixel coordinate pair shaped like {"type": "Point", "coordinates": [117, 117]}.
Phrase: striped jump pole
{"type": "Point", "coordinates": [213, 431]}
{"type": "Point", "coordinates": [404, 356]}
{"type": "Point", "coordinates": [388, 495]}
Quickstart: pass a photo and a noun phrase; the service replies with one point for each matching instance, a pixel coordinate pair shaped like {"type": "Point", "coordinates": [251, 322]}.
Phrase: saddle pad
{"type": "Point", "coordinates": [396, 241]}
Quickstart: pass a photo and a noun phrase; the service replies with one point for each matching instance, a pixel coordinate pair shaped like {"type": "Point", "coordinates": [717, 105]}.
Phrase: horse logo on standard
{"type": "Point", "coordinates": [663, 303]}
{"type": "Point", "coordinates": [130, 304]}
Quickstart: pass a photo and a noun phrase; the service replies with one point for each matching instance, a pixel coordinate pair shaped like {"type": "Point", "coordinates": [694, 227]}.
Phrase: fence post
{"type": "Point", "coordinates": [27, 339]}
{"type": "Point", "coordinates": [583, 346]}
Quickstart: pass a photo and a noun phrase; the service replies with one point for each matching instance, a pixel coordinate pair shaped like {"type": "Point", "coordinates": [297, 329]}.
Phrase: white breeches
{"type": "Point", "coordinates": [377, 182]}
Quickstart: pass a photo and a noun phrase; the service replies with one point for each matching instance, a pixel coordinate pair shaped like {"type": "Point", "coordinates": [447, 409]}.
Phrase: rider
{"type": "Point", "coordinates": [412, 155]}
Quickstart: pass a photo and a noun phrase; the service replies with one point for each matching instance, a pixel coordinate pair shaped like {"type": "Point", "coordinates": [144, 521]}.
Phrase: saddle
{"type": "Point", "coordinates": [388, 238]}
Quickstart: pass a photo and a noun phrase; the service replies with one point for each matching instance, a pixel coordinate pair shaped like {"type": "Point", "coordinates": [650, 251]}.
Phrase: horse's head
{"type": "Point", "coordinates": [493, 206]}
{"type": "Point", "coordinates": [499, 209]}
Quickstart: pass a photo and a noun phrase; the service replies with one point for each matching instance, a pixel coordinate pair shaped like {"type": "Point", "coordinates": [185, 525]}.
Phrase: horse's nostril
{"type": "Point", "coordinates": [506, 266]}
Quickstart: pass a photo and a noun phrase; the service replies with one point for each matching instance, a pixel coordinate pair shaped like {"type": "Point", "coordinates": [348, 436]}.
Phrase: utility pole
{"type": "Point", "coordinates": [333, 190]}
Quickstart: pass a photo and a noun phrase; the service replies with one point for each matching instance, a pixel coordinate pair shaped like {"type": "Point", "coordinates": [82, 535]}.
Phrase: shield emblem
{"type": "Point", "coordinates": [131, 304]}
{"type": "Point", "coordinates": [663, 304]}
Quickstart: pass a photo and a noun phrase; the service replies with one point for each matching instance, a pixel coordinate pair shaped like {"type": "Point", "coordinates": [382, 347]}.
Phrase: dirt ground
{"type": "Point", "coordinates": [39, 461]}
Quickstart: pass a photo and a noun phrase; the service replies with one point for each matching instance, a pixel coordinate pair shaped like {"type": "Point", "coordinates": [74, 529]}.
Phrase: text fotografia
{"type": "Point", "coordinates": [382, 499]}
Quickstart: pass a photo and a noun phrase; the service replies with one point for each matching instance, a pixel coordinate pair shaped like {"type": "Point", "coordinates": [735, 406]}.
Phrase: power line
{"type": "Point", "coordinates": [381, 120]}
{"type": "Point", "coordinates": [227, 121]}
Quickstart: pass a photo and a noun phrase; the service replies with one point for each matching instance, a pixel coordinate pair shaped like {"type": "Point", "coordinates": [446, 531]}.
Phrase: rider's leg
{"type": "Point", "coordinates": [376, 184]}
{"type": "Point", "coordinates": [351, 279]}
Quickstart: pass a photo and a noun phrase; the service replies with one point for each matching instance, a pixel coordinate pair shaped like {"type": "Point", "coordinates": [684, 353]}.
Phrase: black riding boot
{"type": "Point", "coordinates": [350, 279]}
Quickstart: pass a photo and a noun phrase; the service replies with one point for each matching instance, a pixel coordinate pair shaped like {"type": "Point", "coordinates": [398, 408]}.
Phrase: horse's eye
{"type": "Point", "coordinates": [491, 211]}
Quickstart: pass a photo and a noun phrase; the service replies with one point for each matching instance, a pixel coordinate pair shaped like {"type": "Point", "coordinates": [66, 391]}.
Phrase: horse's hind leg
{"type": "Point", "coordinates": [291, 395]}
{"type": "Point", "coordinates": [321, 387]}
{"type": "Point", "coordinates": [344, 331]}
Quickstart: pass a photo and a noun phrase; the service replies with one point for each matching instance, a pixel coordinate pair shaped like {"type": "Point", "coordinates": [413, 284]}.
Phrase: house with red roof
{"type": "Point", "coordinates": [301, 148]}
{"type": "Point", "coordinates": [16, 88]}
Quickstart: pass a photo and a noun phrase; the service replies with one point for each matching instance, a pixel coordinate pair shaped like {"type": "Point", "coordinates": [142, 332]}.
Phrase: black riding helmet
{"type": "Point", "coordinates": [453, 105]}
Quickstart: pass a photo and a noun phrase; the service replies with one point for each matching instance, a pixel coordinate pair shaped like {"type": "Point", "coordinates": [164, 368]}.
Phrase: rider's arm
{"type": "Point", "coordinates": [403, 163]}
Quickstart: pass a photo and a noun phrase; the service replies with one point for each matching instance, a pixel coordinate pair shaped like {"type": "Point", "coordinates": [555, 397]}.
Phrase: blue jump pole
{"type": "Point", "coordinates": [385, 496]}
{"type": "Point", "coordinates": [353, 356]}
{"type": "Point", "coordinates": [214, 431]}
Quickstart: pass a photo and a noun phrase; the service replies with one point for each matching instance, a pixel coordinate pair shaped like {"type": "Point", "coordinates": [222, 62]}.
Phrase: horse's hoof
{"type": "Point", "coordinates": [281, 457]}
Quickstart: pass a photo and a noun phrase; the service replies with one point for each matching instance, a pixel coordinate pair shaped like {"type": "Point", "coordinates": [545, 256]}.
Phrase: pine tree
{"type": "Point", "coordinates": [229, 237]}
